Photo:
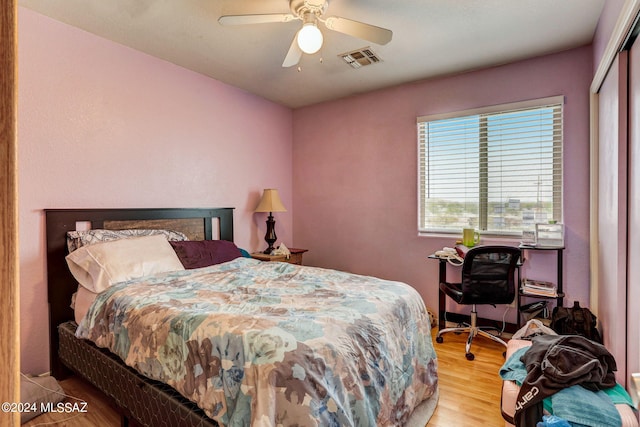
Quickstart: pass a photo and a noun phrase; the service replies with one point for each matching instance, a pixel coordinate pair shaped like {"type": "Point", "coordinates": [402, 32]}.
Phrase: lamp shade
{"type": "Point", "coordinates": [270, 202]}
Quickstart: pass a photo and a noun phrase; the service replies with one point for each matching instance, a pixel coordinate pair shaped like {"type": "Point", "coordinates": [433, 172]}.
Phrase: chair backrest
{"type": "Point", "coordinates": [488, 275]}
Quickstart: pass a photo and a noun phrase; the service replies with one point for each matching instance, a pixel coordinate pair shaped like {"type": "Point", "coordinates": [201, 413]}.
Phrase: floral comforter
{"type": "Point", "coordinates": [268, 343]}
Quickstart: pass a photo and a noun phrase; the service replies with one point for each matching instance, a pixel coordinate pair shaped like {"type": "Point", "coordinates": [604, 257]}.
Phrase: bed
{"type": "Point", "coordinates": [294, 374]}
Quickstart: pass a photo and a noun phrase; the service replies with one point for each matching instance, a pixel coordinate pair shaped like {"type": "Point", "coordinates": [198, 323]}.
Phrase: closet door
{"type": "Point", "coordinates": [633, 278]}
{"type": "Point", "coordinates": [612, 211]}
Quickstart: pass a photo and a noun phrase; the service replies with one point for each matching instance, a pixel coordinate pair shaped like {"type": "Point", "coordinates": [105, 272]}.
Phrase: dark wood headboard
{"type": "Point", "coordinates": [197, 223]}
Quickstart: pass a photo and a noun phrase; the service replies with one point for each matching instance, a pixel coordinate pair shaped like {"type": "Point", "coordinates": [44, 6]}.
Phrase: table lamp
{"type": "Point", "coordinates": [270, 202]}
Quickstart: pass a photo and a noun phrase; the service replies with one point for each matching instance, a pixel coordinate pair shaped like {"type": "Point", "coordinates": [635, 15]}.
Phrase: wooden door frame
{"type": "Point", "coordinates": [9, 291]}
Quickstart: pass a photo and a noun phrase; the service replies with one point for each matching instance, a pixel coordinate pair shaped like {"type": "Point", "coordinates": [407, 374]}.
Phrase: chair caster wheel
{"type": "Point", "coordinates": [439, 340]}
{"type": "Point", "coordinates": [469, 356]}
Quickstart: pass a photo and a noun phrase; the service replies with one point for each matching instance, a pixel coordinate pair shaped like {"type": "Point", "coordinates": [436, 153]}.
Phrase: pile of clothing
{"type": "Point", "coordinates": [570, 377]}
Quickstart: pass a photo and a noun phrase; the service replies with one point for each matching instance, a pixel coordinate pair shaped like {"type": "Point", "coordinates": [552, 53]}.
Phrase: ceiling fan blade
{"type": "Point", "coordinates": [294, 54]}
{"type": "Point", "coordinates": [360, 30]}
{"type": "Point", "coordinates": [255, 19]}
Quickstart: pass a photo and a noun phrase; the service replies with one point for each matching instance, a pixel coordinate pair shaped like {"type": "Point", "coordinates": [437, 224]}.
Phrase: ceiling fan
{"type": "Point", "coordinates": [309, 38]}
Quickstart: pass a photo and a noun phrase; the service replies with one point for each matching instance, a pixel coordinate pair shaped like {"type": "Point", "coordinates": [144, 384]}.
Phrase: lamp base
{"type": "Point", "coordinates": [270, 237]}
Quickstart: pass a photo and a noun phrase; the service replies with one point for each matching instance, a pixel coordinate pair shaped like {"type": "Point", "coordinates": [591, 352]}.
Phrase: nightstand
{"type": "Point", "coordinates": [294, 258]}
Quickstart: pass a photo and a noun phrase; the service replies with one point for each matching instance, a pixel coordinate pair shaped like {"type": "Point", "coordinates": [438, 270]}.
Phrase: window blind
{"type": "Point", "coordinates": [497, 169]}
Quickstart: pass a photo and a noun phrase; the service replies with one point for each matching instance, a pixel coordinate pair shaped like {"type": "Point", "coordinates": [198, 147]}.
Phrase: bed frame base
{"type": "Point", "coordinates": [149, 402]}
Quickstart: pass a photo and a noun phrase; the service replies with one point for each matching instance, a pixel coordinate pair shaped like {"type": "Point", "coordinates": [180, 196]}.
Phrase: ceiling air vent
{"type": "Point", "coordinates": [360, 58]}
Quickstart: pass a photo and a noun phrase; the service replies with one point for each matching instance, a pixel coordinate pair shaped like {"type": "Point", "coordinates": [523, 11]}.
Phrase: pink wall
{"type": "Point", "coordinates": [608, 18]}
{"type": "Point", "coordinates": [102, 125]}
{"type": "Point", "coordinates": [355, 171]}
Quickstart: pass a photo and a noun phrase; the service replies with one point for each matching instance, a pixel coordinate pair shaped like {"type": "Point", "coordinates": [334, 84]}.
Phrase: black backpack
{"type": "Point", "coordinates": [575, 320]}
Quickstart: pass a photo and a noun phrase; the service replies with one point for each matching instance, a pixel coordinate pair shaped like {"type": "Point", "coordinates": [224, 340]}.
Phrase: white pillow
{"type": "Point", "coordinates": [98, 266]}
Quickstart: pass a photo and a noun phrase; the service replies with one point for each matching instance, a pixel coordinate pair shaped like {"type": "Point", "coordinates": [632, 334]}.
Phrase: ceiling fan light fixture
{"type": "Point", "coordinates": [310, 38]}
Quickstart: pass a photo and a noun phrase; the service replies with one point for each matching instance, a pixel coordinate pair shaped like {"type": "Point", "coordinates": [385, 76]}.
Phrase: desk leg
{"type": "Point", "coordinates": [442, 302]}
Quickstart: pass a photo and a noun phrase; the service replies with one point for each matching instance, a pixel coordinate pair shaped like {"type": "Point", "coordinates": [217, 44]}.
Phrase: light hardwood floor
{"type": "Point", "coordinates": [469, 390]}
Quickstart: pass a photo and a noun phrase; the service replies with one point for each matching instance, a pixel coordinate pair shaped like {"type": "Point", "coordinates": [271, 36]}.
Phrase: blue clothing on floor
{"type": "Point", "coordinates": [513, 369]}
{"type": "Point", "coordinates": [552, 421]}
{"type": "Point", "coordinates": [580, 406]}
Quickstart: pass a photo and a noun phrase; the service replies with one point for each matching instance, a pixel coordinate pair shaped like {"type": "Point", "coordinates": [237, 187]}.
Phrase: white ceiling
{"type": "Point", "coordinates": [430, 38]}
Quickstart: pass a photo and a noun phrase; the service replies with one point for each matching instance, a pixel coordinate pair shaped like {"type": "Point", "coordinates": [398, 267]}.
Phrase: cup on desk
{"type": "Point", "coordinates": [470, 237]}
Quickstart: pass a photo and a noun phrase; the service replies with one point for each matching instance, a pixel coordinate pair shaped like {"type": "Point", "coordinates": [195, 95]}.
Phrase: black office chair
{"type": "Point", "coordinates": [488, 277]}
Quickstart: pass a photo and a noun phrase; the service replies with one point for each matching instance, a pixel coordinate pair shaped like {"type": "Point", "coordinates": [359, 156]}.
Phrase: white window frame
{"type": "Point", "coordinates": [482, 202]}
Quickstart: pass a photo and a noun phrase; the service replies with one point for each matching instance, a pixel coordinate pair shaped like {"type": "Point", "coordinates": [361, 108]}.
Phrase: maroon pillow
{"type": "Point", "coordinates": [202, 253]}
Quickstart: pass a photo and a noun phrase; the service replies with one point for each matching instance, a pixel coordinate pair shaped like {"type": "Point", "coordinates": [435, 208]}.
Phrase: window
{"type": "Point", "coordinates": [497, 169]}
